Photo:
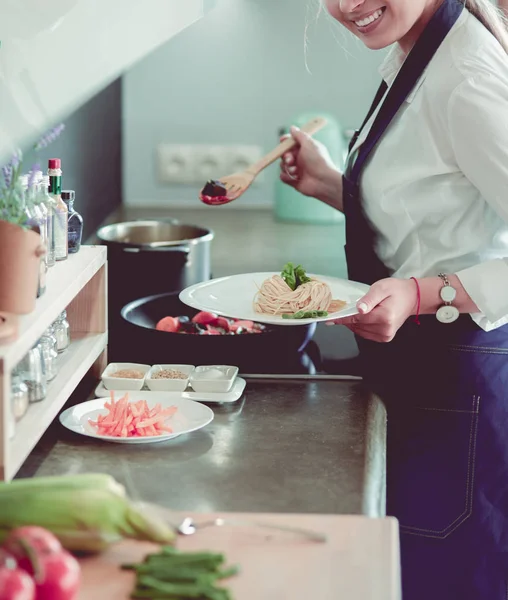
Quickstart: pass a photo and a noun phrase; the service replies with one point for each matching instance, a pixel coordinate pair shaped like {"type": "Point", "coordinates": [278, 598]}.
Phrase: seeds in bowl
{"type": "Point", "coordinates": [128, 374]}
{"type": "Point", "coordinates": [169, 374]}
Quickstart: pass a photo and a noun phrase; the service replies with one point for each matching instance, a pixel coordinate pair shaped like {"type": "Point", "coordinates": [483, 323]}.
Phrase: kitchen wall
{"type": "Point", "coordinates": [90, 149]}
{"type": "Point", "coordinates": [236, 77]}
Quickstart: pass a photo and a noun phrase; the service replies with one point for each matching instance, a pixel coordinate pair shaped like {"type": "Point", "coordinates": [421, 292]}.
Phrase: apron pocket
{"type": "Point", "coordinates": [431, 468]}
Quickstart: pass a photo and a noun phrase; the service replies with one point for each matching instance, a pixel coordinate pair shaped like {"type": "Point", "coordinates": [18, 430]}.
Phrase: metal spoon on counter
{"type": "Point", "coordinates": [231, 187]}
{"type": "Point", "coordinates": [188, 527]}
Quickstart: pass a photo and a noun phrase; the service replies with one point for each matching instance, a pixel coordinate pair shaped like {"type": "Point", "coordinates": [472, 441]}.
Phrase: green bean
{"type": "Point", "coordinates": [172, 575]}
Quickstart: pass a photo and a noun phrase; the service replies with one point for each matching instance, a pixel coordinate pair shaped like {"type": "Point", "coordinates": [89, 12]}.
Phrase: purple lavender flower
{"type": "Point", "coordinates": [9, 169]}
{"type": "Point", "coordinates": [49, 137]}
{"type": "Point", "coordinates": [7, 175]}
{"type": "Point", "coordinates": [31, 176]}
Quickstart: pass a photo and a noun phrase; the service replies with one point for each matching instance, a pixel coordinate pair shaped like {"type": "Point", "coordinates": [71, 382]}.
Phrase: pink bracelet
{"type": "Point", "coordinates": [418, 299]}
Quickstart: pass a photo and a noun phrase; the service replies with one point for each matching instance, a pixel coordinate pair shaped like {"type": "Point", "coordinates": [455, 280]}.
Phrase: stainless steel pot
{"type": "Point", "coordinates": [153, 257]}
{"type": "Point", "coordinates": [188, 245]}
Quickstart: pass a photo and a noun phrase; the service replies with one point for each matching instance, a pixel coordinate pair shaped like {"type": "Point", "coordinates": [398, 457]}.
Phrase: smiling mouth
{"type": "Point", "coordinates": [372, 18]}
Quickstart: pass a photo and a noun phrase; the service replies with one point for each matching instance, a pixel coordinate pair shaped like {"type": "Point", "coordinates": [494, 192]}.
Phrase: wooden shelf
{"type": "Point", "coordinates": [74, 365]}
{"type": "Point", "coordinates": [78, 285]}
{"type": "Point", "coordinates": [65, 280]}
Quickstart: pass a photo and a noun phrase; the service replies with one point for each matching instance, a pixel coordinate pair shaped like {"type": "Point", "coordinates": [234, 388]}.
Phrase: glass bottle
{"type": "Point", "coordinates": [62, 332]}
{"type": "Point", "coordinates": [35, 223]}
{"type": "Point", "coordinates": [47, 346]}
{"type": "Point", "coordinates": [61, 212]}
{"type": "Point", "coordinates": [19, 396]}
{"type": "Point", "coordinates": [75, 222]}
{"type": "Point", "coordinates": [36, 201]}
{"type": "Point", "coordinates": [50, 205]}
{"type": "Point", "coordinates": [31, 369]}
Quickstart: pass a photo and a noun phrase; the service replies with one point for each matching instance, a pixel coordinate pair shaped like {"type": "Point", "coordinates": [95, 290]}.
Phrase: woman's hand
{"type": "Point", "coordinates": [383, 309]}
{"type": "Point", "coordinates": [309, 168]}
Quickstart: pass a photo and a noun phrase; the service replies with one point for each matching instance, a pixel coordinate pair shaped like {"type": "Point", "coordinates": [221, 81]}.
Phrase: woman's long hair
{"type": "Point", "coordinates": [492, 18]}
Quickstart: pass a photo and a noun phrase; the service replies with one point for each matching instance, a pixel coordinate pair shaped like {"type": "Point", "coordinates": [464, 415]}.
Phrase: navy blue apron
{"type": "Point", "coordinates": [445, 387]}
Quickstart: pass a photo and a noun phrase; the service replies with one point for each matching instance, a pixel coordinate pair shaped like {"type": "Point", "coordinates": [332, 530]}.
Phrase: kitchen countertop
{"type": "Point", "coordinates": [295, 446]}
{"type": "Point", "coordinates": [286, 446]}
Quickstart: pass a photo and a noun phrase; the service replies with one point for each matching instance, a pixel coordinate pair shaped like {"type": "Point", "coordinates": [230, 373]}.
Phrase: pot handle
{"type": "Point", "coordinates": [179, 249]}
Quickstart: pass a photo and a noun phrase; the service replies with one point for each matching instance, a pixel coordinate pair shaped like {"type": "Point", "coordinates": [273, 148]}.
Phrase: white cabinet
{"type": "Point", "coordinates": [79, 285]}
{"type": "Point", "coordinates": [56, 55]}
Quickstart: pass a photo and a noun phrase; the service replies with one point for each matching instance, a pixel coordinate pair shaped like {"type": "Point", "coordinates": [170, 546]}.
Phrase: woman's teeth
{"type": "Point", "coordinates": [374, 17]}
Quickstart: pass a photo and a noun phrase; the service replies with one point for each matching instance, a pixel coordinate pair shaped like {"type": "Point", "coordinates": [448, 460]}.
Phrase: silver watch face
{"type": "Point", "coordinates": [447, 314]}
{"type": "Point", "coordinates": [448, 293]}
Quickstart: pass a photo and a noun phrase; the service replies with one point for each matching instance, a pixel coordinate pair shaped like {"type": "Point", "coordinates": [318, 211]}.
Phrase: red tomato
{"type": "Point", "coordinates": [204, 318]}
{"type": "Point", "coordinates": [221, 322]}
{"type": "Point", "coordinates": [168, 324]}
{"type": "Point", "coordinates": [16, 584]}
{"type": "Point", "coordinates": [248, 325]}
{"type": "Point", "coordinates": [211, 331]}
{"type": "Point", "coordinates": [6, 558]}
{"type": "Point", "coordinates": [38, 538]}
{"type": "Point", "coordinates": [59, 577]}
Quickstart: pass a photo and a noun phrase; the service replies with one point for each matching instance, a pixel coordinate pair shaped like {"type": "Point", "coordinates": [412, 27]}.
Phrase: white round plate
{"type": "Point", "coordinates": [190, 416]}
{"type": "Point", "coordinates": [233, 296]}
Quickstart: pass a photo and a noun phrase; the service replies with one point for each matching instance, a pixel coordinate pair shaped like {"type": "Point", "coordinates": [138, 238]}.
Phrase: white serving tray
{"type": "Point", "coordinates": [234, 394]}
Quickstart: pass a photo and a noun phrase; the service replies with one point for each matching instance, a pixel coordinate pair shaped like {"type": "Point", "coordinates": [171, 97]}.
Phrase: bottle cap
{"type": "Point", "coordinates": [54, 163]}
{"type": "Point", "coordinates": [68, 195]}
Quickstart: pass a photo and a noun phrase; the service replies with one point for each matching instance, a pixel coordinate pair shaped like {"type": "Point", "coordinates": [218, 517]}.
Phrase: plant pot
{"type": "Point", "coordinates": [8, 328]}
{"type": "Point", "coordinates": [20, 256]}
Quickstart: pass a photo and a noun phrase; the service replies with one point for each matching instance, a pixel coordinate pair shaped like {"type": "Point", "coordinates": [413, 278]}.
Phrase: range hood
{"type": "Point", "coordinates": [57, 54]}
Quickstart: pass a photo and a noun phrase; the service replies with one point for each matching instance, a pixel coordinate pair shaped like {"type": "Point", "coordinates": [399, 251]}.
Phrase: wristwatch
{"type": "Point", "coordinates": [447, 313]}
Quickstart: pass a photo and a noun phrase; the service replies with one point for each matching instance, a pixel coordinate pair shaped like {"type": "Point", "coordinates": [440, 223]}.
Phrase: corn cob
{"type": "Point", "coordinates": [86, 512]}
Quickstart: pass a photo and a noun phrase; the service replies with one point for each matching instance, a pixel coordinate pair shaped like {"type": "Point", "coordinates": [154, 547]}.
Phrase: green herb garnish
{"type": "Point", "coordinates": [294, 276]}
{"type": "Point", "coordinates": [306, 314]}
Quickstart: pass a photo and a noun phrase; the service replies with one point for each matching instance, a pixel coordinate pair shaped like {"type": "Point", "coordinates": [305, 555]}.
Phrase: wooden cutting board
{"type": "Point", "coordinates": [359, 560]}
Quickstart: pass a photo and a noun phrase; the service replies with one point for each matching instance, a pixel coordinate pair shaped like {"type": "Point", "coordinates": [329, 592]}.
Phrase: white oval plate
{"type": "Point", "coordinates": [190, 416]}
{"type": "Point", "coordinates": [233, 296]}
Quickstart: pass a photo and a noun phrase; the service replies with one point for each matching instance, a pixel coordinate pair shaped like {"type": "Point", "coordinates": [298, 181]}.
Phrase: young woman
{"type": "Point", "coordinates": [425, 194]}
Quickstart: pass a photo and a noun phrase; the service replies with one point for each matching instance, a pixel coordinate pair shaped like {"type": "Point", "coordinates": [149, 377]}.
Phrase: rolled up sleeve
{"type": "Point", "coordinates": [478, 120]}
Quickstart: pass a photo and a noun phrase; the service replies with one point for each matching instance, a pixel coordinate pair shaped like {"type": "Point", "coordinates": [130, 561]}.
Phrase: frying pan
{"type": "Point", "coordinates": [141, 342]}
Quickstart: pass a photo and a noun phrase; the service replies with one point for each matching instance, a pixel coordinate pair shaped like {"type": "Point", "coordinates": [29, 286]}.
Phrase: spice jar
{"type": "Point", "coordinates": [31, 370]}
{"type": "Point", "coordinates": [62, 332]}
{"type": "Point", "coordinates": [47, 347]}
{"type": "Point", "coordinates": [19, 396]}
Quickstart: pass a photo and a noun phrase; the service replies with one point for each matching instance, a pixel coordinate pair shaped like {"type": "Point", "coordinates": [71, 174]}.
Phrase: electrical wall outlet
{"type": "Point", "coordinates": [175, 163]}
{"type": "Point", "coordinates": [195, 164]}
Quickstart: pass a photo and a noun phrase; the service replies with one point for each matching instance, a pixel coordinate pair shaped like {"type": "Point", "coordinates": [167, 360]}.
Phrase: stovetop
{"type": "Point", "coordinates": [332, 351]}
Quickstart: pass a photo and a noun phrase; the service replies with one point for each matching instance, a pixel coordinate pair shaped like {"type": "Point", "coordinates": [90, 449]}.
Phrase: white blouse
{"type": "Point", "coordinates": [436, 186]}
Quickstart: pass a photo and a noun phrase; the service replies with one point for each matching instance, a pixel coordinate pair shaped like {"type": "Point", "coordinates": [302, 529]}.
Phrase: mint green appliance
{"type": "Point", "coordinates": [290, 205]}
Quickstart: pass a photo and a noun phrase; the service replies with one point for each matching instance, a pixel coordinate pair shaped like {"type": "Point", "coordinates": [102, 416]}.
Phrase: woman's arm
{"type": "Point", "coordinates": [309, 169]}
{"type": "Point", "coordinates": [478, 130]}
{"type": "Point", "coordinates": [504, 5]}
{"type": "Point", "coordinates": [430, 300]}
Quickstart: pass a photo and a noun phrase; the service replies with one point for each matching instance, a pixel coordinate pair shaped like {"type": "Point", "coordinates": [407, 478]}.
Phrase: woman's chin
{"type": "Point", "coordinates": [377, 42]}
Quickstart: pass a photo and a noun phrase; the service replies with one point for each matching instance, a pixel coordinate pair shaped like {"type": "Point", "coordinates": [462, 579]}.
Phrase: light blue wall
{"type": "Point", "coordinates": [236, 77]}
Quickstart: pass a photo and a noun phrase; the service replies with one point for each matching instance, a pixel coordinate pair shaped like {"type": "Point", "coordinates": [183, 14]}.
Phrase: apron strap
{"type": "Point", "coordinates": [377, 99]}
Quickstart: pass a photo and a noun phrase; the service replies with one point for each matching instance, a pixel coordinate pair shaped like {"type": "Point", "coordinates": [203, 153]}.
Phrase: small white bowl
{"type": "Point", "coordinates": [206, 378]}
{"type": "Point", "coordinates": [124, 383]}
{"type": "Point", "coordinates": [168, 385]}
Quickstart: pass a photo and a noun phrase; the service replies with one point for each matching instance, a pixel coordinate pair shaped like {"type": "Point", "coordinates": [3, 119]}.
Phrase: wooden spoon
{"type": "Point", "coordinates": [233, 186]}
